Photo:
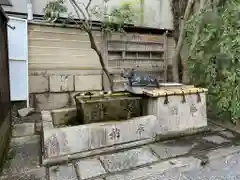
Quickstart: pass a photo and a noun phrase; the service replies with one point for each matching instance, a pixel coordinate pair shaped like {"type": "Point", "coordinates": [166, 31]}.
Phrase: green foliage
{"type": "Point", "coordinates": [215, 60]}
{"type": "Point", "coordinates": [53, 10]}
{"type": "Point", "coordinates": [127, 13]}
{"type": "Point", "coordinates": [116, 19]}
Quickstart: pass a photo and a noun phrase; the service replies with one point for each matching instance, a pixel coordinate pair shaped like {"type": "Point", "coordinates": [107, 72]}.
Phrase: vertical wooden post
{"type": "Point", "coordinates": [165, 56]}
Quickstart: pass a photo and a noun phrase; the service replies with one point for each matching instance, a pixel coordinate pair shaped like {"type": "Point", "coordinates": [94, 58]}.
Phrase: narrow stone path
{"type": "Point", "coordinates": [24, 158]}
{"type": "Point", "coordinates": [203, 156]}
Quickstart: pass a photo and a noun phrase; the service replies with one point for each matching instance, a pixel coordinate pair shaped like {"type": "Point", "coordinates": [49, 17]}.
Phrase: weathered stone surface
{"type": "Point", "coordinates": [63, 141]}
{"type": "Point", "coordinates": [167, 175]}
{"type": "Point", "coordinates": [25, 111]}
{"type": "Point", "coordinates": [50, 101]}
{"type": "Point", "coordinates": [88, 83]}
{"type": "Point", "coordinates": [114, 108]}
{"type": "Point", "coordinates": [178, 116]}
{"type": "Point", "coordinates": [38, 84]}
{"type": "Point", "coordinates": [128, 159]}
{"type": "Point", "coordinates": [63, 172]}
{"type": "Point", "coordinates": [219, 169]}
{"type": "Point", "coordinates": [90, 168]}
{"type": "Point", "coordinates": [33, 174]}
{"type": "Point", "coordinates": [25, 129]}
{"type": "Point", "coordinates": [165, 150]}
{"type": "Point", "coordinates": [60, 83]}
{"type": "Point", "coordinates": [32, 118]}
{"type": "Point", "coordinates": [64, 116]}
{"type": "Point", "coordinates": [215, 128]}
{"type": "Point", "coordinates": [154, 171]}
{"type": "Point", "coordinates": [72, 94]}
{"type": "Point", "coordinates": [47, 125]}
{"type": "Point", "coordinates": [215, 139]}
{"type": "Point", "coordinates": [227, 134]}
{"type": "Point", "coordinates": [25, 157]}
{"type": "Point", "coordinates": [223, 152]}
{"type": "Point", "coordinates": [25, 140]}
{"type": "Point", "coordinates": [46, 116]}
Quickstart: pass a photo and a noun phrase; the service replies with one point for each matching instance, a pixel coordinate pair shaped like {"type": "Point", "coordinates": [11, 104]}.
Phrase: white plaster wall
{"type": "Point", "coordinates": [157, 12]}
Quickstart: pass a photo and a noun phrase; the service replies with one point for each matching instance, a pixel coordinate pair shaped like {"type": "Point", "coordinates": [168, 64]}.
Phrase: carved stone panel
{"type": "Point", "coordinates": [69, 140]}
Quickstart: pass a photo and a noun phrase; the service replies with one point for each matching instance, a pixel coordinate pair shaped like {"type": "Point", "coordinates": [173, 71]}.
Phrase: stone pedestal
{"type": "Point", "coordinates": [177, 109]}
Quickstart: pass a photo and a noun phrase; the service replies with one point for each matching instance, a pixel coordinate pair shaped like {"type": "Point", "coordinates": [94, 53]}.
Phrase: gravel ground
{"type": "Point", "coordinates": [15, 107]}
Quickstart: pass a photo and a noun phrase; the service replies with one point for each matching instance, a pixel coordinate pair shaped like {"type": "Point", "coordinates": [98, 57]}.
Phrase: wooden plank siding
{"type": "Point", "coordinates": [144, 52]}
{"type": "Point", "coordinates": [51, 47]}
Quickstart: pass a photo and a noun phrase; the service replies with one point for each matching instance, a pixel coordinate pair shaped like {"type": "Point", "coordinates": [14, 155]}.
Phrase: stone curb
{"type": "Point", "coordinates": [224, 126]}
{"type": "Point", "coordinates": [106, 150]}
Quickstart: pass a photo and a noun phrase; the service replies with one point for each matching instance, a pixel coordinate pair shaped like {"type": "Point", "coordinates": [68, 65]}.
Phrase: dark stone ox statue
{"type": "Point", "coordinates": [137, 78]}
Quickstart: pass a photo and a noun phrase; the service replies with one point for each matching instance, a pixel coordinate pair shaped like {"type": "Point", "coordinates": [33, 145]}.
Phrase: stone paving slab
{"type": "Point", "coordinates": [33, 174]}
{"type": "Point", "coordinates": [24, 129]}
{"type": "Point", "coordinates": [128, 159]}
{"type": "Point", "coordinates": [156, 170]}
{"type": "Point", "coordinates": [63, 172]}
{"type": "Point", "coordinates": [227, 134]}
{"type": "Point", "coordinates": [24, 158]}
{"type": "Point", "coordinates": [25, 140]}
{"type": "Point", "coordinates": [172, 149]}
{"type": "Point", "coordinates": [222, 152]}
{"type": "Point", "coordinates": [226, 168]}
{"type": "Point", "coordinates": [216, 139]}
{"type": "Point", "coordinates": [90, 168]}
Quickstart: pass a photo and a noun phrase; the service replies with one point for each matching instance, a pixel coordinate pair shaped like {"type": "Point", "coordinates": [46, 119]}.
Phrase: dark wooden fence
{"type": "Point", "coordinates": [4, 69]}
{"type": "Point", "coordinates": [5, 103]}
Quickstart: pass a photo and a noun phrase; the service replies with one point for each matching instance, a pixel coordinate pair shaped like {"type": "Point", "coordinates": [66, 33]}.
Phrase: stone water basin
{"type": "Point", "coordinates": [114, 107]}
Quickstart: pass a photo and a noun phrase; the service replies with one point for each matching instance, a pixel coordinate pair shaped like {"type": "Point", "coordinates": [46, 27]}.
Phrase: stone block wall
{"type": "Point", "coordinates": [51, 90]}
{"type": "Point", "coordinates": [61, 64]}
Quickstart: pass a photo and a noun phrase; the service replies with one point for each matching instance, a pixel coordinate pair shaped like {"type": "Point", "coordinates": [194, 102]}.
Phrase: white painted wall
{"type": "Point", "coordinates": [18, 56]}
{"type": "Point", "coordinates": [157, 12]}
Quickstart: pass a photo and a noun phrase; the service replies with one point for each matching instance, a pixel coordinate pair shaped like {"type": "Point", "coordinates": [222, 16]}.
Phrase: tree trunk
{"type": "Point", "coordinates": [88, 28]}
{"type": "Point", "coordinates": [181, 40]}
{"type": "Point", "coordinates": [101, 59]}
